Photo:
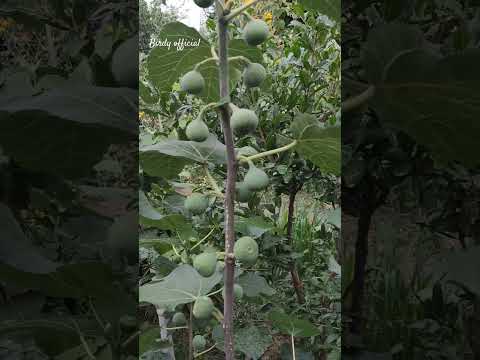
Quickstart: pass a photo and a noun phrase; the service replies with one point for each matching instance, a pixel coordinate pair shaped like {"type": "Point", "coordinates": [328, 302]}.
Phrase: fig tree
{"type": "Point", "coordinates": [243, 121]}
{"type": "Point", "coordinates": [199, 343]}
{"type": "Point", "coordinates": [256, 179]}
{"type": "Point", "coordinates": [246, 250]}
{"type": "Point", "coordinates": [196, 203]}
{"type": "Point", "coordinates": [179, 319]}
{"type": "Point", "coordinates": [204, 3]}
{"type": "Point", "coordinates": [254, 74]}
{"type": "Point", "coordinates": [256, 32]}
{"type": "Point", "coordinates": [192, 82]}
{"type": "Point", "coordinates": [203, 307]}
{"type": "Point", "coordinates": [205, 263]}
{"type": "Point", "coordinates": [197, 130]}
{"type": "Point", "coordinates": [243, 192]}
{"type": "Point", "coordinates": [237, 292]}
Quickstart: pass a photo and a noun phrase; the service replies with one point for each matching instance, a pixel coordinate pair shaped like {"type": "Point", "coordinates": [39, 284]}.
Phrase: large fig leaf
{"type": "Point", "coordinates": [182, 286]}
{"type": "Point", "coordinates": [154, 157]}
{"type": "Point", "coordinates": [331, 8]}
{"type": "Point", "coordinates": [252, 341]}
{"type": "Point", "coordinates": [66, 131]}
{"type": "Point", "coordinates": [292, 326]}
{"type": "Point", "coordinates": [435, 101]}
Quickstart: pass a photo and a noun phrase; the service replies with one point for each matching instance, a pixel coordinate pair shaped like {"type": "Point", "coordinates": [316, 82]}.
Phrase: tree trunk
{"type": "Point", "coordinates": [296, 281]}
{"type": "Point", "coordinates": [230, 185]}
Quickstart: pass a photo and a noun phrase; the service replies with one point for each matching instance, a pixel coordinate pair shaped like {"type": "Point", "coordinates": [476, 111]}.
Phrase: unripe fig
{"type": "Point", "coordinates": [197, 130]}
{"type": "Point", "coordinates": [203, 308]}
{"type": "Point", "coordinates": [254, 75]}
{"type": "Point", "coordinates": [256, 179]}
{"type": "Point", "coordinates": [256, 32]}
{"type": "Point", "coordinates": [179, 319]}
{"type": "Point", "coordinates": [196, 203]}
{"type": "Point", "coordinates": [205, 263]}
{"type": "Point", "coordinates": [237, 292]}
{"type": "Point", "coordinates": [199, 343]}
{"type": "Point", "coordinates": [246, 250]}
{"type": "Point", "coordinates": [204, 3]}
{"type": "Point", "coordinates": [243, 192]}
{"type": "Point", "coordinates": [243, 121]}
{"type": "Point", "coordinates": [192, 82]}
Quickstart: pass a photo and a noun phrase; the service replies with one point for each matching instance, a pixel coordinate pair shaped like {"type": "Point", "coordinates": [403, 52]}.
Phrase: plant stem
{"type": "Point", "coordinates": [238, 11]}
{"type": "Point", "coordinates": [212, 182]}
{"type": "Point", "coordinates": [358, 100]}
{"type": "Point", "coordinates": [190, 332]}
{"type": "Point", "coordinates": [242, 58]}
{"type": "Point", "coordinates": [230, 186]}
{"type": "Point", "coordinates": [203, 239]}
{"type": "Point", "coordinates": [244, 159]}
{"type": "Point", "coordinates": [206, 351]}
{"type": "Point", "coordinates": [293, 347]}
{"type": "Point", "coordinates": [204, 62]}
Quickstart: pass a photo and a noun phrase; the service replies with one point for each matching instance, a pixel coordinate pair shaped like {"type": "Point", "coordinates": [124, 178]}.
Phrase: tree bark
{"type": "Point", "coordinates": [296, 281]}
{"type": "Point", "coordinates": [230, 185]}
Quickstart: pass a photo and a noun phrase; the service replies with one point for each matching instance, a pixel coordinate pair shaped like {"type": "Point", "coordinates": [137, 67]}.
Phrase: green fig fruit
{"type": "Point", "coordinates": [256, 179]}
{"type": "Point", "coordinates": [205, 263]}
{"type": "Point", "coordinates": [204, 3]}
{"type": "Point", "coordinates": [237, 292]}
{"type": "Point", "coordinates": [256, 32]}
{"type": "Point", "coordinates": [254, 74]}
{"type": "Point", "coordinates": [196, 203]}
{"type": "Point", "coordinates": [192, 82]}
{"type": "Point", "coordinates": [199, 343]}
{"type": "Point", "coordinates": [197, 131]}
{"type": "Point", "coordinates": [243, 121]}
{"type": "Point", "coordinates": [203, 308]}
{"type": "Point", "coordinates": [179, 319]}
{"type": "Point", "coordinates": [246, 250]}
{"type": "Point", "coordinates": [244, 194]}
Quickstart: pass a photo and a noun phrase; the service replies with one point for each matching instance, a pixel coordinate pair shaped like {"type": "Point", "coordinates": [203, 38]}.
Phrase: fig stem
{"type": "Point", "coordinates": [215, 292]}
{"type": "Point", "coordinates": [206, 351]}
{"type": "Point", "coordinates": [217, 314]}
{"type": "Point", "coordinates": [358, 100]}
{"type": "Point", "coordinates": [248, 159]}
{"type": "Point", "coordinates": [203, 239]}
{"type": "Point", "coordinates": [204, 62]}
{"type": "Point", "coordinates": [176, 328]}
{"type": "Point", "coordinates": [238, 11]}
{"type": "Point", "coordinates": [242, 58]}
{"type": "Point", "coordinates": [212, 182]}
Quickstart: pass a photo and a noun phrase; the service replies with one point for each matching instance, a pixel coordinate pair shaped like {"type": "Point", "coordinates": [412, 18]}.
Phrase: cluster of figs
{"type": "Point", "coordinates": [243, 121]}
{"type": "Point", "coordinates": [246, 251]}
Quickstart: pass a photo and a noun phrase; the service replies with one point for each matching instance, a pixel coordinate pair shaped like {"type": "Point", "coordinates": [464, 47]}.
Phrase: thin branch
{"type": "Point", "coordinates": [244, 159]}
{"type": "Point", "coordinates": [242, 58]}
{"type": "Point", "coordinates": [210, 59]}
{"type": "Point", "coordinates": [202, 240]}
{"type": "Point", "coordinates": [206, 351]}
{"type": "Point", "coordinates": [358, 100]}
{"type": "Point", "coordinates": [239, 11]}
{"type": "Point", "coordinates": [83, 341]}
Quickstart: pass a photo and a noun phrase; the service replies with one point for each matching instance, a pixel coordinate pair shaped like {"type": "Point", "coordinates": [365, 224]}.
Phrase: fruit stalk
{"type": "Point", "coordinates": [240, 10]}
{"type": "Point", "coordinates": [230, 185]}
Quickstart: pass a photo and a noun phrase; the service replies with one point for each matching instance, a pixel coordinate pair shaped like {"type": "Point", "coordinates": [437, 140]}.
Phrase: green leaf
{"type": "Point", "coordinates": [145, 93]}
{"type": "Point", "coordinates": [255, 285]}
{"type": "Point", "coordinates": [165, 66]}
{"type": "Point", "coordinates": [385, 43]}
{"type": "Point", "coordinates": [293, 326]}
{"type": "Point", "coordinates": [149, 216]}
{"type": "Point", "coordinates": [210, 150]}
{"type": "Point", "coordinates": [435, 101]}
{"type": "Point", "coordinates": [250, 341]}
{"type": "Point", "coordinates": [89, 120]}
{"type": "Point", "coordinates": [253, 226]}
{"type": "Point", "coordinates": [301, 122]}
{"type": "Point", "coordinates": [321, 145]}
{"type": "Point", "coordinates": [182, 286]}
{"type": "Point", "coordinates": [154, 163]}
{"type": "Point", "coordinates": [331, 8]}
{"type": "Point", "coordinates": [238, 47]}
